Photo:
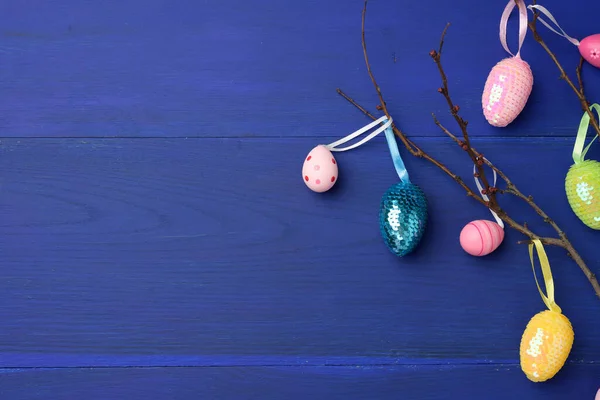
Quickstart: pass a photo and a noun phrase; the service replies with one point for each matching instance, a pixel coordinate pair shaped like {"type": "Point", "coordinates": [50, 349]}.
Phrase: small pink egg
{"type": "Point", "coordinates": [320, 170]}
{"type": "Point", "coordinates": [590, 49]}
{"type": "Point", "coordinates": [481, 237]}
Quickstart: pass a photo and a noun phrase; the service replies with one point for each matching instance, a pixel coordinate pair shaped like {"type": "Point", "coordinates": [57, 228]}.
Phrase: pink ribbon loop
{"type": "Point", "coordinates": [547, 13]}
{"type": "Point", "coordinates": [522, 25]}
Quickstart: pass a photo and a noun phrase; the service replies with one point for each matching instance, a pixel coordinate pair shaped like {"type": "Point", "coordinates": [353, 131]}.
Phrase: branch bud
{"type": "Point", "coordinates": [455, 108]}
{"type": "Point", "coordinates": [433, 53]}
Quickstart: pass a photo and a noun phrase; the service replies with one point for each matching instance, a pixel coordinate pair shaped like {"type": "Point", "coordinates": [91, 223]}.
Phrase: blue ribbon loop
{"type": "Point", "coordinates": [398, 163]}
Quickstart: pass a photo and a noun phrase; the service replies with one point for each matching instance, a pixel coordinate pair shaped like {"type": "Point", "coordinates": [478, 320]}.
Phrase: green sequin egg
{"type": "Point", "coordinates": [582, 185]}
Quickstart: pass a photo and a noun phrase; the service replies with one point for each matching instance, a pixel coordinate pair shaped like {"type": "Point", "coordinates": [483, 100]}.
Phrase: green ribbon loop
{"type": "Point", "coordinates": [578, 151]}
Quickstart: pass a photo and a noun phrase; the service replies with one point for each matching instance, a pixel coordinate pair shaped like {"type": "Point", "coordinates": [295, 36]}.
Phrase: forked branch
{"type": "Point", "coordinates": [478, 159]}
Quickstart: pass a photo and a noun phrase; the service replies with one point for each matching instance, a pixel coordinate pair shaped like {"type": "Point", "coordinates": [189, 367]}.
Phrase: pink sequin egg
{"type": "Point", "coordinates": [481, 237]}
{"type": "Point", "coordinates": [320, 170]}
{"type": "Point", "coordinates": [590, 49]}
{"type": "Point", "coordinates": [506, 91]}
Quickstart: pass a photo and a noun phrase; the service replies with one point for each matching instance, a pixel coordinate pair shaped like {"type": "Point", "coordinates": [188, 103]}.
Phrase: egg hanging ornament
{"type": "Point", "coordinates": [482, 237]}
{"type": "Point", "coordinates": [589, 47]}
{"type": "Point", "coordinates": [582, 183]}
{"type": "Point", "coordinates": [403, 209]}
{"type": "Point", "coordinates": [510, 82]}
{"type": "Point", "coordinates": [548, 337]}
{"type": "Point", "coordinates": [320, 168]}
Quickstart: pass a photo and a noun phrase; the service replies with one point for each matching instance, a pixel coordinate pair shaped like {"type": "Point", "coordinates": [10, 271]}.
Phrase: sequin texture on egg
{"type": "Point", "coordinates": [545, 345]}
{"type": "Point", "coordinates": [506, 91]}
{"type": "Point", "coordinates": [403, 217]}
{"type": "Point", "coordinates": [320, 170]}
{"type": "Point", "coordinates": [582, 185]}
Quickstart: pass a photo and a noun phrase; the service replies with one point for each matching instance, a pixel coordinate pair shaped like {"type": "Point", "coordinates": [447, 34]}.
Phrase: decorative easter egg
{"type": "Point", "coordinates": [481, 237]}
{"type": "Point", "coordinates": [545, 345]}
{"type": "Point", "coordinates": [403, 217]}
{"type": "Point", "coordinates": [320, 170]}
{"type": "Point", "coordinates": [582, 185]}
{"type": "Point", "coordinates": [506, 91]}
{"type": "Point", "coordinates": [590, 49]}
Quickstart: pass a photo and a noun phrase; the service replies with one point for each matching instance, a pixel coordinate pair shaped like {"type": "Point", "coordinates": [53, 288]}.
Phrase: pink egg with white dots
{"type": "Point", "coordinates": [481, 237]}
{"type": "Point", "coordinates": [320, 170]}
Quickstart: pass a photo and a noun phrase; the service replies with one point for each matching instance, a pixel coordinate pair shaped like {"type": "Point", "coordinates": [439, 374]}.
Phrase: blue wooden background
{"type": "Point", "coordinates": [157, 240]}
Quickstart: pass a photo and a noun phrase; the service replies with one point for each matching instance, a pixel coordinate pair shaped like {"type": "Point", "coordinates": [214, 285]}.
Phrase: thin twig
{"type": "Point", "coordinates": [585, 104]}
{"type": "Point", "coordinates": [521, 228]}
{"type": "Point", "coordinates": [511, 188]}
{"type": "Point", "coordinates": [410, 148]}
{"type": "Point", "coordinates": [417, 150]}
{"type": "Point", "coordinates": [579, 79]}
{"type": "Point", "coordinates": [478, 159]}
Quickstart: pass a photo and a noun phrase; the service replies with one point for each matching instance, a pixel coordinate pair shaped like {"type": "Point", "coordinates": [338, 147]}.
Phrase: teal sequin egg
{"type": "Point", "coordinates": [403, 217]}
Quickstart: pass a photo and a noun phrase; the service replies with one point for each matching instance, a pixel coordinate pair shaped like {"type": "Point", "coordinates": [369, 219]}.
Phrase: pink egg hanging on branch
{"type": "Point", "coordinates": [482, 237]}
{"type": "Point", "coordinates": [320, 168]}
{"type": "Point", "coordinates": [589, 47]}
{"type": "Point", "coordinates": [510, 81]}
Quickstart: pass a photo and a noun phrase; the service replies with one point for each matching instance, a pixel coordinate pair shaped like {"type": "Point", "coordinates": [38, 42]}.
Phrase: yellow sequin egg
{"type": "Point", "coordinates": [545, 345]}
{"type": "Point", "coordinates": [582, 185]}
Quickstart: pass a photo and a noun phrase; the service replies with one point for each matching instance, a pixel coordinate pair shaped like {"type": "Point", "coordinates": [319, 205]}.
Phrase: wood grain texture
{"type": "Point", "coordinates": [157, 240]}
{"type": "Point", "coordinates": [117, 249]}
{"type": "Point", "coordinates": [436, 382]}
{"type": "Point", "coordinates": [235, 68]}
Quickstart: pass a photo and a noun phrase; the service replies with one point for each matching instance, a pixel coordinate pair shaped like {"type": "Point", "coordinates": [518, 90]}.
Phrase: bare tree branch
{"type": "Point", "coordinates": [478, 159]}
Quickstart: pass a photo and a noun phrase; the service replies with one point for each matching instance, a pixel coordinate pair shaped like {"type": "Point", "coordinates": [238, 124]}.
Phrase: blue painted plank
{"type": "Point", "coordinates": [213, 252]}
{"type": "Point", "coordinates": [236, 68]}
{"type": "Point", "coordinates": [438, 382]}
